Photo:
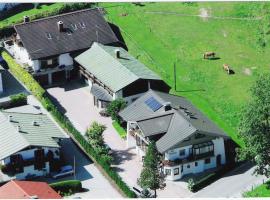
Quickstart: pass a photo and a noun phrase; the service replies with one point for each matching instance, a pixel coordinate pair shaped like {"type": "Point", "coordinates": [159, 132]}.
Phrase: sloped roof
{"type": "Point", "coordinates": [42, 134]}
{"type": "Point", "coordinates": [185, 119]}
{"type": "Point", "coordinates": [82, 27]}
{"type": "Point", "coordinates": [27, 190]}
{"type": "Point", "coordinates": [115, 73]}
{"type": "Point", "coordinates": [100, 93]}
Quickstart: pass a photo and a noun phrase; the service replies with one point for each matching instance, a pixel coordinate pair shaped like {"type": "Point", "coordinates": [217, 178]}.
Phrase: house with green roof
{"type": "Point", "coordinates": [112, 73]}
{"type": "Point", "coordinates": [30, 142]}
{"type": "Point", "coordinates": [186, 139]}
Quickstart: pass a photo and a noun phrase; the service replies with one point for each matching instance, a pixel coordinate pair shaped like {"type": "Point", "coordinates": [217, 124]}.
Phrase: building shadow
{"type": "Point", "coordinates": [56, 103]}
{"type": "Point", "coordinates": [119, 36]}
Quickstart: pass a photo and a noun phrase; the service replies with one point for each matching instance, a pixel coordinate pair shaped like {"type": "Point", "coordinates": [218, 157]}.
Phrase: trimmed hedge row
{"type": "Point", "coordinates": [64, 122]}
{"type": "Point", "coordinates": [8, 30]}
{"type": "Point", "coordinates": [67, 187]}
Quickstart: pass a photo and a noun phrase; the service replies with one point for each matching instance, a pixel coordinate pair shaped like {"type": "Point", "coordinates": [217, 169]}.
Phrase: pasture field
{"type": "Point", "coordinates": [161, 34]}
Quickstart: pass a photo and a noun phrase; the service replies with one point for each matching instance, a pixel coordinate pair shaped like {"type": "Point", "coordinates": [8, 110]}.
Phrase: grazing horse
{"type": "Point", "coordinates": [227, 68]}
{"type": "Point", "coordinates": [207, 55]}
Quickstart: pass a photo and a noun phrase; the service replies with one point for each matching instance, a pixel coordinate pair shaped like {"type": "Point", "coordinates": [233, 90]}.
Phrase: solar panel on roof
{"type": "Point", "coordinates": [153, 104]}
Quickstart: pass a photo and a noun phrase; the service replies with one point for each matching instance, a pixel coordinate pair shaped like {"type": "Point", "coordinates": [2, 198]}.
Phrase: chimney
{"type": "Point", "coordinates": [10, 118]}
{"type": "Point", "coordinates": [26, 19]}
{"type": "Point", "coordinates": [34, 123]}
{"type": "Point", "coordinates": [117, 53]}
{"type": "Point", "coordinates": [18, 129]}
{"type": "Point", "coordinates": [60, 25]}
{"type": "Point", "coordinates": [167, 106]}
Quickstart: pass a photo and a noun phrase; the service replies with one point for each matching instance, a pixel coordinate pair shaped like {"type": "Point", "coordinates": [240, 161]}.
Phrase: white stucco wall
{"type": "Point", "coordinates": [65, 59]}
{"type": "Point", "coordinates": [30, 154]}
{"type": "Point", "coordinates": [1, 83]}
{"type": "Point", "coordinates": [219, 149]}
{"type": "Point", "coordinates": [31, 170]}
{"type": "Point", "coordinates": [22, 55]}
{"type": "Point", "coordinates": [175, 153]}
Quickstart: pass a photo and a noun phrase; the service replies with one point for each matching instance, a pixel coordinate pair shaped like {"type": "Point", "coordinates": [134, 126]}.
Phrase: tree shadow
{"type": "Point", "coordinates": [123, 155]}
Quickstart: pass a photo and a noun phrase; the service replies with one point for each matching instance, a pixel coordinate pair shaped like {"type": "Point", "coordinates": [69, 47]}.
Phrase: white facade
{"type": "Point", "coordinates": [177, 171]}
{"type": "Point", "coordinates": [29, 154]}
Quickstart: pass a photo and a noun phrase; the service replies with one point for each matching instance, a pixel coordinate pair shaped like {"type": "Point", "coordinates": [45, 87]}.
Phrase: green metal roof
{"type": "Point", "coordinates": [115, 73]}
{"type": "Point", "coordinates": [42, 134]}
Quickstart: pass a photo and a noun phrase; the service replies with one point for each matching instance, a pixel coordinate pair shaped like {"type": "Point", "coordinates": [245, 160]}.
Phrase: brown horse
{"type": "Point", "coordinates": [207, 55]}
{"type": "Point", "coordinates": [227, 68]}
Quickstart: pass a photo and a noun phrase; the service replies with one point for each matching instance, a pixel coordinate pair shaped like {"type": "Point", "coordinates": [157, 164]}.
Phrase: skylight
{"type": "Point", "coordinates": [153, 104]}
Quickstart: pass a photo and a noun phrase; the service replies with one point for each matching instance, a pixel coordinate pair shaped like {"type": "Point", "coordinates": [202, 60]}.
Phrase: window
{"type": "Point", "coordinates": [49, 36]}
{"type": "Point", "coordinates": [188, 166]}
{"type": "Point", "coordinates": [182, 168]}
{"type": "Point", "coordinates": [176, 171]}
{"type": "Point", "coordinates": [196, 164]}
{"type": "Point", "coordinates": [207, 161]}
{"type": "Point", "coordinates": [168, 172]}
{"type": "Point", "coordinates": [182, 152]}
{"type": "Point", "coordinates": [39, 163]}
{"type": "Point", "coordinates": [49, 62]}
{"type": "Point", "coordinates": [82, 24]}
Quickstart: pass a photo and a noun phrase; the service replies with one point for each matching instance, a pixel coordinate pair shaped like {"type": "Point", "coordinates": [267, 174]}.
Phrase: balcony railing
{"type": "Point", "coordinates": [188, 159]}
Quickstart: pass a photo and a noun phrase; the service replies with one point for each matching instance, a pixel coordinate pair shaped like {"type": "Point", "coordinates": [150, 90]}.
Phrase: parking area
{"type": "Point", "coordinates": [76, 102]}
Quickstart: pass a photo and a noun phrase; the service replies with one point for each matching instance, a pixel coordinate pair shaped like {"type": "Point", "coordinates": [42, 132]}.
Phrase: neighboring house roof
{"type": "Point", "coordinates": [82, 28]}
{"type": "Point", "coordinates": [115, 73]}
{"type": "Point", "coordinates": [182, 121]}
{"type": "Point", "coordinates": [27, 190]}
{"type": "Point", "coordinates": [42, 134]}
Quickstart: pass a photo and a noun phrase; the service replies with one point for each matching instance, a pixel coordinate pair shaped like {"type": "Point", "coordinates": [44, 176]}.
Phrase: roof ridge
{"type": "Point", "coordinates": [59, 15]}
{"type": "Point", "coordinates": [157, 116]}
{"type": "Point", "coordinates": [116, 59]}
{"type": "Point", "coordinates": [24, 113]}
{"type": "Point", "coordinates": [18, 186]}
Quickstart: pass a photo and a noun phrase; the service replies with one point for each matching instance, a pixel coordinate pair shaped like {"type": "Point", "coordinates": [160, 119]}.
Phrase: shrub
{"type": "Point", "coordinates": [64, 122]}
{"type": "Point", "coordinates": [115, 107]}
{"type": "Point", "coordinates": [67, 187]}
{"type": "Point", "coordinates": [18, 100]}
{"type": "Point", "coordinates": [190, 184]}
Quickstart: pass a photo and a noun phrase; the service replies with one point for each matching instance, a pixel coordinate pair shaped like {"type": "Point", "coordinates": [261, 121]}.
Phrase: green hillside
{"type": "Point", "coordinates": [161, 34]}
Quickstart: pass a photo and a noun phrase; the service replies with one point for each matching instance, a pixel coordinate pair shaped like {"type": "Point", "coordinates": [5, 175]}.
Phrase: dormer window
{"type": "Point", "coordinates": [74, 26]}
{"type": "Point", "coordinates": [82, 24]}
{"type": "Point", "coordinates": [49, 36]}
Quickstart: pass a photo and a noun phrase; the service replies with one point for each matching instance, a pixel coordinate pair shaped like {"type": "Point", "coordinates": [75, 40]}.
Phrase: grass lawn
{"type": "Point", "coordinates": [120, 130]}
{"type": "Point", "coordinates": [260, 191]}
{"type": "Point", "coordinates": [161, 34]}
{"type": "Point", "coordinates": [19, 16]}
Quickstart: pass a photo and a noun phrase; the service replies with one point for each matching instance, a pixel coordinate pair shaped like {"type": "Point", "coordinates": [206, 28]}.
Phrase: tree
{"type": "Point", "coordinates": [115, 107]}
{"type": "Point", "coordinates": [95, 134]}
{"type": "Point", "coordinates": [150, 176]}
{"type": "Point", "coordinates": [254, 127]}
{"type": "Point", "coordinates": [95, 137]}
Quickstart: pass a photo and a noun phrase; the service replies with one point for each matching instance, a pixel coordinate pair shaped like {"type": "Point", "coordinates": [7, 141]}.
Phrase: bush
{"type": "Point", "coordinates": [115, 107]}
{"type": "Point", "coordinates": [18, 100]}
{"type": "Point", "coordinates": [67, 187]}
{"type": "Point", "coordinates": [64, 122]}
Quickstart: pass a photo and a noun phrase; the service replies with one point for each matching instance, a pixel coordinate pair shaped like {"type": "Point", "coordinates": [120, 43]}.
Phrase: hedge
{"type": "Point", "coordinates": [205, 181]}
{"type": "Point", "coordinates": [67, 187]}
{"type": "Point", "coordinates": [18, 100]}
{"type": "Point", "coordinates": [8, 30]}
{"type": "Point", "coordinates": [64, 122]}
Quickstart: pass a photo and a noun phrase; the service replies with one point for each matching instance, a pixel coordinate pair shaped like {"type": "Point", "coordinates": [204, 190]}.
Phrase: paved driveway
{"type": "Point", "coordinates": [77, 103]}
{"type": "Point", "coordinates": [232, 184]}
{"type": "Point", "coordinates": [93, 181]}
